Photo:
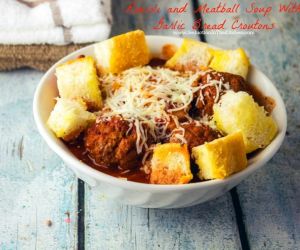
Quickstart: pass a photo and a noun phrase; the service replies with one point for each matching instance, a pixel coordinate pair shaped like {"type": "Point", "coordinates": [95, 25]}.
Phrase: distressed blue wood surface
{"type": "Point", "coordinates": [270, 199]}
{"type": "Point", "coordinates": [34, 186]}
{"type": "Point", "coordinates": [110, 225]}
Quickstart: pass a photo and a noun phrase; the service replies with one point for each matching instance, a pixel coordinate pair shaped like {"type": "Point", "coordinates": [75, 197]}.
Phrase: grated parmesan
{"type": "Point", "coordinates": [146, 96]}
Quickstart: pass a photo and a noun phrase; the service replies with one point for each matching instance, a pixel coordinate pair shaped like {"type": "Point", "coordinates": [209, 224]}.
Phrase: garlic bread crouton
{"type": "Point", "coordinates": [220, 158]}
{"type": "Point", "coordinates": [237, 111]}
{"type": "Point", "coordinates": [122, 52]}
{"type": "Point", "coordinates": [168, 50]}
{"type": "Point", "coordinates": [191, 55]}
{"type": "Point", "coordinates": [231, 61]}
{"type": "Point", "coordinates": [170, 164]}
{"type": "Point", "coordinates": [69, 118]}
{"type": "Point", "coordinates": [78, 79]}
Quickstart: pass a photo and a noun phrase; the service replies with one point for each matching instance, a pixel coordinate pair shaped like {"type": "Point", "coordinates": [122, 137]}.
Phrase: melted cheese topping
{"type": "Point", "coordinates": [147, 96]}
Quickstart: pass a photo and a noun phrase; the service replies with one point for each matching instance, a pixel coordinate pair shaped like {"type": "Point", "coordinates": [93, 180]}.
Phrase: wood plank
{"type": "Point", "coordinates": [110, 225]}
{"type": "Point", "coordinates": [270, 199]}
{"type": "Point", "coordinates": [36, 191]}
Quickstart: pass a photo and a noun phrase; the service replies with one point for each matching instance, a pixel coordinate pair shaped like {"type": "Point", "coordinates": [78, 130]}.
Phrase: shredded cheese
{"type": "Point", "coordinates": [146, 97]}
{"type": "Point", "coordinates": [218, 84]}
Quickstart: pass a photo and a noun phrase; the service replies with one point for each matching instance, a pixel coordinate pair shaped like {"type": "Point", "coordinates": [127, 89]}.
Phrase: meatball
{"type": "Point", "coordinates": [236, 83]}
{"type": "Point", "coordinates": [180, 114]}
{"type": "Point", "coordinates": [112, 143]}
{"type": "Point", "coordinates": [196, 134]}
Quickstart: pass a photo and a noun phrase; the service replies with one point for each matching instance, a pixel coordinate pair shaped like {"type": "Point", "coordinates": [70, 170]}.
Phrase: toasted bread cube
{"type": "Point", "coordinates": [220, 158]}
{"type": "Point", "coordinates": [192, 55]}
{"type": "Point", "coordinates": [168, 50]}
{"type": "Point", "coordinates": [78, 79]}
{"type": "Point", "coordinates": [69, 118]}
{"type": "Point", "coordinates": [238, 111]}
{"type": "Point", "coordinates": [170, 164]}
{"type": "Point", "coordinates": [122, 52]}
{"type": "Point", "coordinates": [231, 61]}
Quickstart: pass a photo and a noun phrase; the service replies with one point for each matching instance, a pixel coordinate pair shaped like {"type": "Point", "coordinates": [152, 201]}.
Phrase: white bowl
{"type": "Point", "coordinates": [149, 195]}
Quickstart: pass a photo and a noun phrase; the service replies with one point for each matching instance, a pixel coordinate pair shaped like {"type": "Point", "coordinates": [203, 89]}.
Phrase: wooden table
{"type": "Point", "coordinates": [44, 206]}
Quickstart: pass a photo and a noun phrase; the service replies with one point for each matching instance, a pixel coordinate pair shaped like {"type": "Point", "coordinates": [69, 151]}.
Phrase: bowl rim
{"type": "Point", "coordinates": [81, 167]}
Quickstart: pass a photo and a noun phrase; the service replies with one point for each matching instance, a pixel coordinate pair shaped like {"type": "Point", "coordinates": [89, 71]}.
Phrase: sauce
{"type": "Point", "coordinates": [157, 62]}
{"type": "Point", "coordinates": [77, 149]}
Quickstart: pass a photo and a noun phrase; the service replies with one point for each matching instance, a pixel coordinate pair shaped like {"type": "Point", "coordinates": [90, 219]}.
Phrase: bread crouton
{"type": "Point", "coordinates": [231, 61]}
{"type": "Point", "coordinates": [191, 55]}
{"type": "Point", "coordinates": [168, 50]}
{"type": "Point", "coordinates": [220, 158]}
{"type": "Point", "coordinates": [237, 111]}
{"type": "Point", "coordinates": [170, 164]}
{"type": "Point", "coordinates": [122, 52]}
{"type": "Point", "coordinates": [78, 79]}
{"type": "Point", "coordinates": [69, 118]}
